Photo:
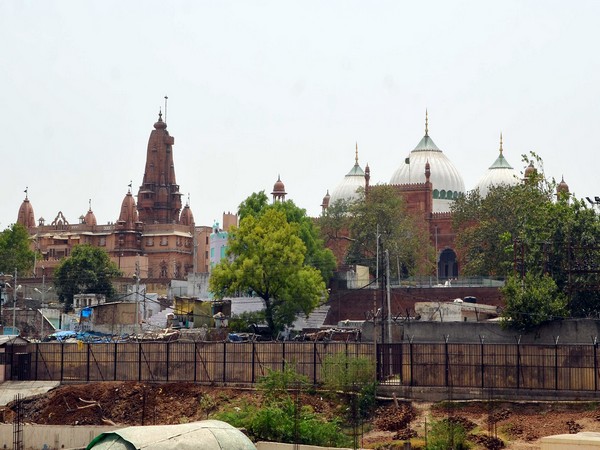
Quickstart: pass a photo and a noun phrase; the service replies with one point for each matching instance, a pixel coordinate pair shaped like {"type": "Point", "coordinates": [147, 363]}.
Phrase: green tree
{"type": "Point", "coordinates": [15, 250]}
{"type": "Point", "coordinates": [531, 301]}
{"type": "Point", "coordinates": [384, 211]}
{"type": "Point", "coordinates": [267, 256]}
{"type": "Point", "coordinates": [87, 270]}
{"type": "Point", "coordinates": [317, 255]}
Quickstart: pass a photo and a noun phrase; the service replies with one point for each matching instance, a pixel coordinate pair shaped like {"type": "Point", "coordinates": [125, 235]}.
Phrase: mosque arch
{"type": "Point", "coordinates": [447, 264]}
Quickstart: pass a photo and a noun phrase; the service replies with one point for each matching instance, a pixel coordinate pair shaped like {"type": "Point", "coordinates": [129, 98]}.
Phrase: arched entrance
{"type": "Point", "coordinates": [447, 264]}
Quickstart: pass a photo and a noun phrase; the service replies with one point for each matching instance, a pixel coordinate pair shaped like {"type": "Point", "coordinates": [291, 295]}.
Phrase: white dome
{"type": "Point", "coordinates": [348, 187]}
{"type": "Point", "coordinates": [447, 183]}
{"type": "Point", "coordinates": [499, 173]}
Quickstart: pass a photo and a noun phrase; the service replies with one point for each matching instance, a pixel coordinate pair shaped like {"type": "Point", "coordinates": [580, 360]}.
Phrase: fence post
{"type": "Point", "coordinates": [140, 361]}
{"type": "Point", "coordinates": [37, 357]}
{"type": "Point", "coordinates": [556, 362]}
{"type": "Point", "coordinates": [195, 361]}
{"type": "Point", "coordinates": [447, 374]}
{"type": "Point", "coordinates": [87, 364]}
{"type": "Point", "coordinates": [314, 363]}
{"type": "Point", "coordinates": [595, 344]}
{"type": "Point", "coordinates": [410, 349]}
{"type": "Point", "coordinates": [482, 339]}
{"type": "Point", "coordinates": [253, 370]}
{"type": "Point", "coordinates": [115, 363]}
{"type": "Point", "coordinates": [168, 350]}
{"type": "Point", "coordinates": [224, 360]}
{"type": "Point", "coordinates": [62, 361]}
{"type": "Point", "coordinates": [518, 339]}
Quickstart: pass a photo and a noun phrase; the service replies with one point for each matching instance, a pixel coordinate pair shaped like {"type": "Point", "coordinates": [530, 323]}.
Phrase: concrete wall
{"type": "Point", "coordinates": [571, 331]}
{"type": "Point", "coordinates": [52, 436]}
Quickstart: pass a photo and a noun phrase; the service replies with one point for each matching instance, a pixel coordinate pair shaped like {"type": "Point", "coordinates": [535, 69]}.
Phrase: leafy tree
{"type": "Point", "coordinates": [531, 301]}
{"type": "Point", "coordinates": [385, 211]}
{"type": "Point", "coordinates": [316, 254]}
{"type": "Point", "coordinates": [87, 270]}
{"type": "Point", "coordinates": [15, 250]}
{"type": "Point", "coordinates": [267, 256]}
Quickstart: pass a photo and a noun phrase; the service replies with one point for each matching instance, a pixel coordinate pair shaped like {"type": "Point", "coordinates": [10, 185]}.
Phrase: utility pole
{"type": "Point", "coordinates": [137, 293]}
{"type": "Point", "coordinates": [389, 295]}
{"type": "Point", "coordinates": [377, 258]}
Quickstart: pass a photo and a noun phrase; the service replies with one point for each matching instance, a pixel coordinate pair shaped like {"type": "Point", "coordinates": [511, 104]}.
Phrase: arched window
{"type": "Point", "coordinates": [436, 193]}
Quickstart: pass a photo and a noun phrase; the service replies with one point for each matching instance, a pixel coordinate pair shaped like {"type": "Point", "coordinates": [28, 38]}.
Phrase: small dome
{"type": "Point", "coordinates": [562, 187]}
{"type": "Point", "coordinates": [499, 173]}
{"type": "Point", "coordinates": [187, 218]}
{"type": "Point", "coordinates": [160, 125]}
{"type": "Point", "coordinates": [348, 187]}
{"type": "Point", "coordinates": [279, 187]}
{"type": "Point", "coordinates": [447, 183]}
{"type": "Point", "coordinates": [26, 216]}
{"type": "Point", "coordinates": [90, 217]}
{"type": "Point", "coordinates": [530, 170]}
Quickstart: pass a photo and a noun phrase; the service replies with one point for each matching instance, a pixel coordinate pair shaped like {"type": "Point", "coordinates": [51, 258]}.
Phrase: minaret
{"type": "Point", "coordinates": [159, 199]}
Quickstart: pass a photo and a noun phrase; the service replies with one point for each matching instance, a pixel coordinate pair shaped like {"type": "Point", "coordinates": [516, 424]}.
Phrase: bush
{"type": "Point", "coordinates": [446, 434]}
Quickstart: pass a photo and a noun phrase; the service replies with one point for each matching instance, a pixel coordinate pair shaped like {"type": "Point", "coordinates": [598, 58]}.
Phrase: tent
{"type": "Point", "coordinates": [206, 434]}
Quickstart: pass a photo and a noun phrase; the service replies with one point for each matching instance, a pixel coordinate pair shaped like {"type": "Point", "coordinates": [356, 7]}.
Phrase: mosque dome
{"type": "Point", "coordinates": [499, 173]}
{"type": "Point", "coordinates": [26, 216]}
{"type": "Point", "coordinates": [530, 170]}
{"type": "Point", "coordinates": [562, 187]}
{"type": "Point", "coordinates": [348, 187]}
{"type": "Point", "coordinates": [447, 183]}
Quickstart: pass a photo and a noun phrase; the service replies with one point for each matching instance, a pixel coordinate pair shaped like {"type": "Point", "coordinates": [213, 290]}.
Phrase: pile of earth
{"type": "Point", "coordinates": [517, 425]}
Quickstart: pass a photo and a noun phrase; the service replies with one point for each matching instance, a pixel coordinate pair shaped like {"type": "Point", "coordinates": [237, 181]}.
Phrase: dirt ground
{"type": "Point", "coordinates": [518, 425]}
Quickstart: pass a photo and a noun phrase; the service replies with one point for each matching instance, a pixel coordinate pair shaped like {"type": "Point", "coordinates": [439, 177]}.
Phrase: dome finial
{"type": "Point", "coordinates": [129, 186]}
{"type": "Point", "coordinates": [356, 154]}
{"type": "Point", "coordinates": [160, 114]}
{"type": "Point", "coordinates": [26, 192]}
{"type": "Point", "coordinates": [501, 142]}
{"type": "Point", "coordinates": [426, 123]}
{"type": "Point", "coordinates": [90, 204]}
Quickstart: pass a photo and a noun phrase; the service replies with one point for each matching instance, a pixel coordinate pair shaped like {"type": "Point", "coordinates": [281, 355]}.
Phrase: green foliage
{"type": "Point", "coordinates": [277, 383]}
{"type": "Point", "coordinates": [15, 250]}
{"type": "Point", "coordinates": [267, 256]}
{"type": "Point", "coordinates": [446, 434]}
{"type": "Point", "coordinates": [531, 301]}
{"type": "Point", "coordinates": [87, 270]}
{"type": "Point", "coordinates": [282, 418]}
{"type": "Point", "coordinates": [408, 243]}
{"type": "Point", "coordinates": [342, 372]}
{"type": "Point", "coordinates": [242, 322]}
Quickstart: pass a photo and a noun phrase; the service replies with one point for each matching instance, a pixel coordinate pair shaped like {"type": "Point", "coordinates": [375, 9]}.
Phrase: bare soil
{"type": "Point", "coordinates": [516, 425]}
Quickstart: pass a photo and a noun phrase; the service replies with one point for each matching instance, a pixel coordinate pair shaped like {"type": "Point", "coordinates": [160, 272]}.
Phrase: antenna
{"type": "Point", "coordinates": [166, 98]}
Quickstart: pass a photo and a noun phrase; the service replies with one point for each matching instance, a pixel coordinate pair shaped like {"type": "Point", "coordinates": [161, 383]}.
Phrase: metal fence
{"type": "Point", "coordinates": [489, 366]}
{"type": "Point", "coordinates": [200, 362]}
{"type": "Point", "coordinates": [469, 365]}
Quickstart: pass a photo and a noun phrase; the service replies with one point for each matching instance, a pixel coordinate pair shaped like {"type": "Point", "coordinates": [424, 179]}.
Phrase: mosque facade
{"type": "Point", "coordinates": [429, 183]}
{"type": "Point", "coordinates": [155, 238]}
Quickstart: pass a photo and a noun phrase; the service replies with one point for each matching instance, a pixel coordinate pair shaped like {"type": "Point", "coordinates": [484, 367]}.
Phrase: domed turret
{"type": "Point", "coordinates": [562, 189]}
{"type": "Point", "coordinates": [278, 190]}
{"type": "Point", "coordinates": [530, 170]}
{"type": "Point", "coordinates": [187, 218]}
{"type": "Point", "coordinates": [447, 183]}
{"type": "Point", "coordinates": [348, 187]}
{"type": "Point", "coordinates": [25, 216]}
{"type": "Point", "coordinates": [499, 173]}
{"type": "Point", "coordinates": [90, 218]}
{"type": "Point", "coordinates": [325, 203]}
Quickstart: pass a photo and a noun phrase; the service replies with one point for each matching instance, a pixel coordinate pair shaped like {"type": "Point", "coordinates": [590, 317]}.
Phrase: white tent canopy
{"type": "Point", "coordinates": [207, 434]}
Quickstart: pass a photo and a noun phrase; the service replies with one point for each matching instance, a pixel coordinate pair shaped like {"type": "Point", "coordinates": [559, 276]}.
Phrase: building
{"type": "Point", "coordinates": [155, 238]}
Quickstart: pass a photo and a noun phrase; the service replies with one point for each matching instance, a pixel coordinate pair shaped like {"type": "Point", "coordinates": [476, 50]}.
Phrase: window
{"type": "Point", "coordinates": [164, 240]}
{"type": "Point", "coordinates": [149, 242]}
{"type": "Point", "coordinates": [102, 242]}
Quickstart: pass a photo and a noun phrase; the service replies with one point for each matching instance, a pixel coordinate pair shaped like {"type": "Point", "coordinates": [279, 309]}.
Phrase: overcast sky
{"type": "Point", "coordinates": [261, 88]}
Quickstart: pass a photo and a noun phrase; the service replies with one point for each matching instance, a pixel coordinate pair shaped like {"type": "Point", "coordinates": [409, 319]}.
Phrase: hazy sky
{"type": "Point", "coordinates": [261, 88]}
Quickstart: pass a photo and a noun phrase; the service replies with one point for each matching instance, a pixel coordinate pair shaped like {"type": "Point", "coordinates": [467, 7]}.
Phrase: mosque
{"type": "Point", "coordinates": [429, 183]}
{"type": "Point", "coordinates": [155, 238]}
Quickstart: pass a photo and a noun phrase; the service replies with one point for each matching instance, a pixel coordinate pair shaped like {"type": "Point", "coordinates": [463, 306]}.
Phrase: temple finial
{"type": "Point", "coordinates": [500, 142]}
{"type": "Point", "coordinates": [188, 199]}
{"type": "Point", "coordinates": [426, 123]}
{"type": "Point", "coordinates": [26, 191]}
{"type": "Point", "coordinates": [356, 155]}
{"type": "Point", "coordinates": [90, 204]}
{"type": "Point", "coordinates": [160, 114]}
{"type": "Point", "coordinates": [129, 186]}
